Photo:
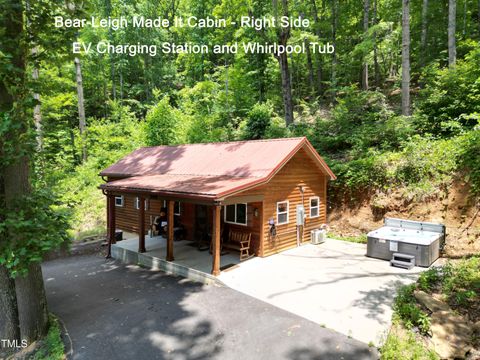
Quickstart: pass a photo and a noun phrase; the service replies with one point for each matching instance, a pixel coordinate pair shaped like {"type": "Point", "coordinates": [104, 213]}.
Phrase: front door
{"type": "Point", "coordinates": [201, 225]}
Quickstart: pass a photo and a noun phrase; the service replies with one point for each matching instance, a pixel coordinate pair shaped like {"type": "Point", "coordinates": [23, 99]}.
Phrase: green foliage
{"type": "Point", "coordinates": [450, 96]}
{"type": "Point", "coordinates": [429, 279]}
{"type": "Point", "coordinates": [407, 309]}
{"type": "Point", "coordinates": [52, 347]}
{"type": "Point", "coordinates": [161, 124]}
{"type": "Point", "coordinates": [362, 239]}
{"type": "Point", "coordinates": [258, 121]}
{"type": "Point", "coordinates": [108, 141]}
{"type": "Point", "coordinates": [461, 281]}
{"type": "Point", "coordinates": [403, 345]}
{"type": "Point", "coordinates": [37, 226]}
{"type": "Point", "coordinates": [469, 159]}
{"type": "Point", "coordinates": [360, 121]}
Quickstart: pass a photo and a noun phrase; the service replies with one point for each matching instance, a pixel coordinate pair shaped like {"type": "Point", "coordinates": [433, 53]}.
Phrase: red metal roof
{"type": "Point", "coordinates": [201, 186]}
{"type": "Point", "coordinates": [206, 170]}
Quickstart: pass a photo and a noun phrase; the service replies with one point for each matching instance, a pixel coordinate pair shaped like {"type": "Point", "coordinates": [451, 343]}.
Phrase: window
{"type": "Point", "coordinates": [137, 203]}
{"type": "Point", "coordinates": [314, 207]}
{"type": "Point", "coordinates": [282, 212]}
{"type": "Point", "coordinates": [118, 200]}
{"type": "Point", "coordinates": [236, 214]}
{"type": "Point", "coordinates": [177, 209]}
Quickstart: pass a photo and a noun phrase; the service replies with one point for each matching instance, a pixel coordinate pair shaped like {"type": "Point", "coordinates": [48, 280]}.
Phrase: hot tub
{"type": "Point", "coordinates": [420, 239]}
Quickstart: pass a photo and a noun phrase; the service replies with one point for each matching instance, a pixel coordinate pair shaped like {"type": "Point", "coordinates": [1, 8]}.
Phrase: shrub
{"type": "Point", "coordinates": [258, 121]}
{"type": "Point", "coordinates": [450, 96]}
{"type": "Point", "coordinates": [461, 282]}
{"type": "Point", "coordinates": [161, 124]}
{"type": "Point", "coordinates": [407, 309]}
{"type": "Point", "coordinates": [429, 279]}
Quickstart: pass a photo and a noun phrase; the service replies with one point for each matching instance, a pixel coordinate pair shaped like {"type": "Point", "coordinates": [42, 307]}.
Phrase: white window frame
{"type": "Point", "coordinates": [179, 208]}
{"type": "Point", "coordinates": [122, 201]}
{"type": "Point", "coordinates": [137, 203]}
{"type": "Point", "coordinates": [165, 205]}
{"type": "Point", "coordinates": [283, 212]}
{"type": "Point", "coordinates": [314, 207]}
{"type": "Point", "coordinates": [235, 222]}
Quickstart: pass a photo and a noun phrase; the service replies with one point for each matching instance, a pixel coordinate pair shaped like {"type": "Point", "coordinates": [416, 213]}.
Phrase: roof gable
{"type": "Point", "coordinates": [242, 158]}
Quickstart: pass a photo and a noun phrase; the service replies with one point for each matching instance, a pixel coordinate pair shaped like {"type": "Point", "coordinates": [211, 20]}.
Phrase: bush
{"type": "Point", "coordinates": [429, 279]}
{"type": "Point", "coordinates": [407, 309]}
{"type": "Point", "coordinates": [162, 124]}
{"type": "Point", "coordinates": [403, 345]}
{"type": "Point", "coordinates": [258, 121]}
{"type": "Point", "coordinates": [449, 97]}
{"type": "Point", "coordinates": [461, 282]}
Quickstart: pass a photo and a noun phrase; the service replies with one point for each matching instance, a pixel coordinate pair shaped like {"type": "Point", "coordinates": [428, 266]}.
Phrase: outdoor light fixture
{"type": "Point", "coordinates": [255, 212]}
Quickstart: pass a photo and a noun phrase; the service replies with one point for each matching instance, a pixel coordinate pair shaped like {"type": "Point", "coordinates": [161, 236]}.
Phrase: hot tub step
{"type": "Point", "coordinates": [405, 261]}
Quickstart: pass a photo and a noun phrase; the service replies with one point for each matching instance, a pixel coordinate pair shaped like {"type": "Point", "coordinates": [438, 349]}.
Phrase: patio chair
{"type": "Point", "coordinates": [239, 241]}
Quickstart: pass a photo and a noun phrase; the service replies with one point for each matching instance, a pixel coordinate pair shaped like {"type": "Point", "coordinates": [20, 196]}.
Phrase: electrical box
{"type": "Point", "coordinates": [300, 215]}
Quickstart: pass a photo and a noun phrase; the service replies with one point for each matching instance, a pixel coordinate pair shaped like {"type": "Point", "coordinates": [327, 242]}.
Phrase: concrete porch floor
{"type": "Point", "coordinates": [189, 261]}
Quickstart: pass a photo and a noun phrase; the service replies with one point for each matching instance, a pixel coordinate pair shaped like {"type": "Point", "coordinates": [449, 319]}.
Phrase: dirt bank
{"type": "Point", "coordinates": [454, 207]}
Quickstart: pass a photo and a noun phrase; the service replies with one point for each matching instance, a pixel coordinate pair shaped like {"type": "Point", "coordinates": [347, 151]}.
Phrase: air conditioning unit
{"type": "Point", "coordinates": [317, 236]}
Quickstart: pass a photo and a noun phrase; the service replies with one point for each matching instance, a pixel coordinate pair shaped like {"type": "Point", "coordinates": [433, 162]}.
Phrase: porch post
{"type": "Point", "coordinates": [216, 241]}
{"type": "Point", "coordinates": [141, 225]}
{"type": "Point", "coordinates": [110, 223]}
{"type": "Point", "coordinates": [170, 211]}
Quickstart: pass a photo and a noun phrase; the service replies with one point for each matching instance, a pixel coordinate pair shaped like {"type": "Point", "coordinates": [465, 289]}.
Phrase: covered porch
{"type": "Point", "coordinates": [189, 262]}
{"type": "Point", "coordinates": [206, 227]}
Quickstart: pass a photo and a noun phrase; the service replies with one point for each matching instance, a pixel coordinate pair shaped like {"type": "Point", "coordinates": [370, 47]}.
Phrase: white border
{"type": "Point", "coordinates": [288, 212]}
{"type": "Point", "coordinates": [317, 207]}
{"type": "Point", "coordinates": [234, 222]}
{"type": "Point", "coordinates": [122, 201]}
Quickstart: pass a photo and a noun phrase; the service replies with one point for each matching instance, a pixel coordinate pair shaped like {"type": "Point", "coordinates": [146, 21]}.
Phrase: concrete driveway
{"type": "Point", "coordinates": [333, 284]}
{"type": "Point", "coordinates": [115, 311]}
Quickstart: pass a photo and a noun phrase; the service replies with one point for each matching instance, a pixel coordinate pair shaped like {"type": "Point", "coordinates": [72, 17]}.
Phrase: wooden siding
{"type": "Point", "coordinates": [127, 216]}
{"type": "Point", "coordinates": [253, 226]}
{"type": "Point", "coordinates": [299, 171]}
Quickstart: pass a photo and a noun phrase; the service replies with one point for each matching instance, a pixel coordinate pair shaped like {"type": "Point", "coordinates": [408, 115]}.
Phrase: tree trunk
{"type": "Point", "coordinates": [81, 108]}
{"type": "Point", "coordinates": [406, 57]}
{"type": "Point", "coordinates": [311, 81]}
{"type": "Point", "coordinates": [423, 36]}
{"type": "Point", "coordinates": [334, 43]}
{"type": "Point", "coordinates": [452, 50]}
{"type": "Point", "coordinates": [37, 110]}
{"type": "Point", "coordinates": [28, 318]}
{"type": "Point", "coordinates": [319, 58]}
{"type": "Point", "coordinates": [37, 114]}
{"type": "Point", "coordinates": [464, 32]}
{"type": "Point", "coordinates": [366, 11]}
{"type": "Point", "coordinates": [32, 304]}
{"type": "Point", "coordinates": [9, 325]}
{"type": "Point", "coordinates": [375, 49]}
{"type": "Point", "coordinates": [283, 36]}
{"type": "Point", "coordinates": [286, 88]}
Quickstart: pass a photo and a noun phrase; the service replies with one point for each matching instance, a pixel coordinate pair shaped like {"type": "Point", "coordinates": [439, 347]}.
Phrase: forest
{"type": "Point", "coordinates": [394, 110]}
{"type": "Point", "coordinates": [394, 107]}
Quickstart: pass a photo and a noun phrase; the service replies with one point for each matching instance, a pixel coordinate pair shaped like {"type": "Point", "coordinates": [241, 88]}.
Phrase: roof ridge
{"type": "Point", "coordinates": [185, 174]}
{"type": "Point", "coordinates": [226, 142]}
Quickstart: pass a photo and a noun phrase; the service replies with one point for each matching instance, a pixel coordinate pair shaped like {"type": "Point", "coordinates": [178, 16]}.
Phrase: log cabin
{"type": "Point", "coordinates": [271, 192]}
